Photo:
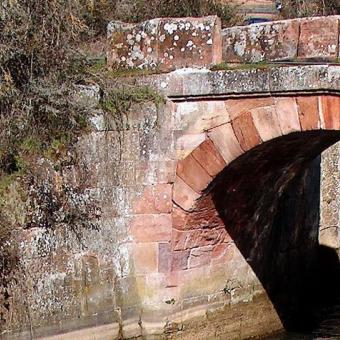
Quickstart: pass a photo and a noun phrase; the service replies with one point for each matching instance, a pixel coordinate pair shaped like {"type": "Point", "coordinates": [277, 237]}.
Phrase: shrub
{"type": "Point", "coordinates": [140, 10]}
{"type": "Point", "coordinates": [306, 8]}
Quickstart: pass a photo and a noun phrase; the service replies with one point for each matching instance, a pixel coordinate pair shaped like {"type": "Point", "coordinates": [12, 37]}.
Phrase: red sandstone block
{"type": "Point", "coordinates": [193, 174]}
{"type": "Point", "coordinates": [265, 41]}
{"type": "Point", "coordinates": [330, 112]}
{"type": "Point", "coordinates": [193, 239]}
{"type": "Point", "coordinates": [209, 158]}
{"type": "Point", "coordinates": [223, 253]}
{"type": "Point", "coordinates": [287, 113]}
{"type": "Point", "coordinates": [188, 239]}
{"type": "Point", "coordinates": [179, 260]}
{"type": "Point", "coordinates": [151, 228]}
{"type": "Point", "coordinates": [165, 43]}
{"type": "Point", "coordinates": [226, 142]}
{"type": "Point", "coordinates": [319, 38]}
{"type": "Point", "coordinates": [208, 237]}
{"type": "Point", "coordinates": [179, 239]}
{"type": "Point", "coordinates": [183, 195]}
{"type": "Point", "coordinates": [246, 132]}
{"type": "Point", "coordinates": [164, 257]}
{"type": "Point", "coordinates": [154, 199]}
{"type": "Point", "coordinates": [266, 123]}
{"type": "Point", "coordinates": [173, 278]}
{"type": "Point", "coordinates": [179, 218]}
{"type": "Point", "coordinates": [219, 250]}
{"type": "Point", "coordinates": [205, 216]}
{"type": "Point", "coordinates": [308, 112]}
{"type": "Point", "coordinates": [145, 257]}
{"type": "Point", "coordinates": [200, 257]}
{"type": "Point", "coordinates": [237, 107]}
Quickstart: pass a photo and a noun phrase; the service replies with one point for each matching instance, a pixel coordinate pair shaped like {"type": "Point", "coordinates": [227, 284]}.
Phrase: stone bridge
{"type": "Point", "coordinates": [210, 225]}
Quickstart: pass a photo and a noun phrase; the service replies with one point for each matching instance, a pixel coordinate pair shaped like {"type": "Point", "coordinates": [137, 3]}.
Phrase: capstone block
{"type": "Point", "coordinates": [165, 43]}
{"type": "Point", "coordinates": [274, 41]}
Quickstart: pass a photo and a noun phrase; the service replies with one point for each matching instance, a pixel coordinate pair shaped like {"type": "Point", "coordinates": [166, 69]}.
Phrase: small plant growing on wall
{"type": "Point", "coordinates": [230, 287]}
{"type": "Point", "coordinates": [171, 301]}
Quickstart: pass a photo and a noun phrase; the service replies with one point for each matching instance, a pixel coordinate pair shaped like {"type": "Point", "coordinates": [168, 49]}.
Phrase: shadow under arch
{"type": "Point", "coordinates": [268, 199]}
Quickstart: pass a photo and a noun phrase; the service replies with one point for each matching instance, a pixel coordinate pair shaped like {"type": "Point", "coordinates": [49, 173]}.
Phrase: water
{"type": "Point", "coordinates": [328, 328]}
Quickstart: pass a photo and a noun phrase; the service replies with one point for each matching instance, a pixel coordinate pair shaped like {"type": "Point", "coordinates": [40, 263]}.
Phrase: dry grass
{"type": "Point", "coordinates": [309, 8]}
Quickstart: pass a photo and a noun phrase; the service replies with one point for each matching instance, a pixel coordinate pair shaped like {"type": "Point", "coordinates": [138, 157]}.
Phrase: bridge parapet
{"type": "Point", "coordinates": [171, 43]}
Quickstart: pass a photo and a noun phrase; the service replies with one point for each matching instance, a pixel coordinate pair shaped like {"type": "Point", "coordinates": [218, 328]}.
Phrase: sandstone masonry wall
{"type": "Point", "coordinates": [190, 192]}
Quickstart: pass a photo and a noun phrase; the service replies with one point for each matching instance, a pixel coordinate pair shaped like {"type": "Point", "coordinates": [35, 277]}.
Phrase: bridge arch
{"type": "Point", "coordinates": [245, 183]}
{"type": "Point", "coordinates": [251, 122]}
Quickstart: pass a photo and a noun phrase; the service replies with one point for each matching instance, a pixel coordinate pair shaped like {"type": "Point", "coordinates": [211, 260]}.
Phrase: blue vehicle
{"type": "Point", "coordinates": [255, 20]}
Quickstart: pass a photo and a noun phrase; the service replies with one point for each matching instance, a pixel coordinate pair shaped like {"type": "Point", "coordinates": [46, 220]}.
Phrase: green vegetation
{"type": "Point", "coordinates": [243, 66]}
{"type": "Point", "coordinates": [116, 103]}
{"type": "Point", "coordinates": [171, 301]}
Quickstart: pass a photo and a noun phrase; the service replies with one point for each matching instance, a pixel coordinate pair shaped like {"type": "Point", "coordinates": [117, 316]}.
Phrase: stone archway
{"type": "Point", "coordinates": [239, 183]}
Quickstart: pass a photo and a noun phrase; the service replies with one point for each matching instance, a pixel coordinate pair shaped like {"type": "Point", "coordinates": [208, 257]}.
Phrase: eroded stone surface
{"type": "Point", "coordinates": [165, 44]}
{"type": "Point", "coordinates": [276, 41]}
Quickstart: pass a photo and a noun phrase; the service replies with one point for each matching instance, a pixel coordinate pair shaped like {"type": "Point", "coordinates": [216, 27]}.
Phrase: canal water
{"type": "Point", "coordinates": [329, 328]}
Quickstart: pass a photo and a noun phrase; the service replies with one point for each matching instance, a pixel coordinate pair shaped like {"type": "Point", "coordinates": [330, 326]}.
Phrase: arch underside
{"type": "Point", "coordinates": [268, 202]}
{"type": "Point", "coordinates": [263, 195]}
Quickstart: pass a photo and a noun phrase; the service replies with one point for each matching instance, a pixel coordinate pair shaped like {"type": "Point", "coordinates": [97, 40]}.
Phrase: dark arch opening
{"type": "Point", "coordinates": [268, 200]}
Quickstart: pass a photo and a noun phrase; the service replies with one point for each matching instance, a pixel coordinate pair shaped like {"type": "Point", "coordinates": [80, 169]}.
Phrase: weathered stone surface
{"type": "Point", "coordinates": [151, 228]}
{"type": "Point", "coordinates": [158, 239]}
{"type": "Point", "coordinates": [266, 122]}
{"type": "Point", "coordinates": [179, 260]}
{"type": "Point", "coordinates": [226, 142]}
{"type": "Point", "coordinates": [288, 116]}
{"type": "Point", "coordinates": [298, 79]}
{"type": "Point", "coordinates": [319, 38]}
{"type": "Point", "coordinates": [274, 41]}
{"type": "Point", "coordinates": [330, 112]}
{"type": "Point", "coordinates": [183, 195]}
{"type": "Point", "coordinates": [188, 142]}
{"type": "Point", "coordinates": [154, 199]}
{"type": "Point", "coordinates": [164, 257]}
{"type": "Point", "coordinates": [165, 44]}
{"type": "Point", "coordinates": [246, 132]}
{"type": "Point", "coordinates": [209, 158]}
{"type": "Point", "coordinates": [238, 106]}
{"type": "Point", "coordinates": [193, 174]}
{"type": "Point", "coordinates": [330, 198]}
{"type": "Point", "coordinates": [145, 258]}
{"type": "Point", "coordinates": [196, 117]}
{"type": "Point", "coordinates": [200, 256]}
{"type": "Point", "coordinates": [309, 112]}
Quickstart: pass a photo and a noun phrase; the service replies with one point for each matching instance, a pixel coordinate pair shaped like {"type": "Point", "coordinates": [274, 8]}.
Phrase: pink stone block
{"type": "Point", "coordinates": [193, 174]}
{"type": "Point", "coordinates": [272, 41]}
{"type": "Point", "coordinates": [319, 38]}
{"type": "Point", "coordinates": [266, 123]}
{"type": "Point", "coordinates": [226, 142]}
{"type": "Point", "coordinates": [151, 228]}
{"type": "Point", "coordinates": [287, 113]}
{"type": "Point", "coordinates": [184, 196]}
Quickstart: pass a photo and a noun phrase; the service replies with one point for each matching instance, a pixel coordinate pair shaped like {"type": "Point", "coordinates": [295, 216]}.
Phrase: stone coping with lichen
{"type": "Point", "coordinates": [167, 44]}
{"type": "Point", "coordinates": [186, 83]}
